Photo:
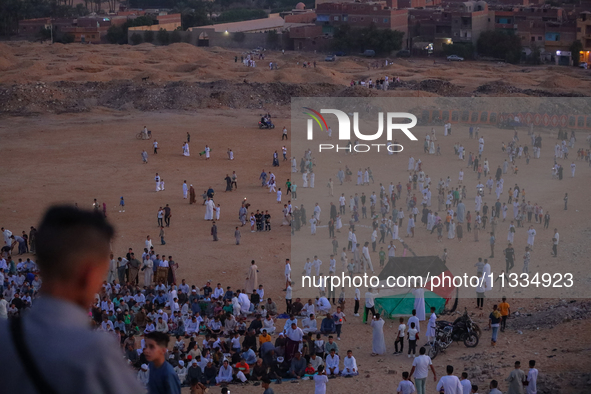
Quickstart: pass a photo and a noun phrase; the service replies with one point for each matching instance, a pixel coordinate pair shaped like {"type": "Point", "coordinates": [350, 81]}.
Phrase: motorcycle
{"type": "Point", "coordinates": [462, 329]}
{"type": "Point", "coordinates": [266, 125]}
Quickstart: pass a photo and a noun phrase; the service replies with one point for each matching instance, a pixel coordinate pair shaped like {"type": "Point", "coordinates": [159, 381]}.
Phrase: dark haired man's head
{"type": "Point", "coordinates": [73, 248]}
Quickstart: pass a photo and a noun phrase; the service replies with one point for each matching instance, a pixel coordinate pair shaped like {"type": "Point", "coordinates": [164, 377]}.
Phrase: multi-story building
{"type": "Point", "coordinates": [584, 35]}
{"type": "Point", "coordinates": [93, 29]}
{"type": "Point", "coordinates": [330, 15]}
{"type": "Point", "coordinates": [456, 23]}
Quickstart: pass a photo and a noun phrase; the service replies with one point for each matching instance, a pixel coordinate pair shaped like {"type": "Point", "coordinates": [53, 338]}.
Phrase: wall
{"type": "Point", "coordinates": [251, 40]}
{"type": "Point", "coordinates": [165, 26]}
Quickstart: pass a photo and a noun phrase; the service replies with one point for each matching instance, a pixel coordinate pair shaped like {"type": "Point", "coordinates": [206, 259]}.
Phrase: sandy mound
{"type": "Point", "coordinates": [7, 58]}
{"type": "Point", "coordinates": [561, 82]}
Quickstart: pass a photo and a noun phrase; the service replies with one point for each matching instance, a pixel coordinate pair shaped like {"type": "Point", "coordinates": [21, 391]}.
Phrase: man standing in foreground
{"type": "Point", "coordinates": [450, 383]}
{"type": "Point", "coordinates": [420, 367]}
{"type": "Point", "coordinates": [516, 380]}
{"type": "Point", "coordinates": [73, 249]}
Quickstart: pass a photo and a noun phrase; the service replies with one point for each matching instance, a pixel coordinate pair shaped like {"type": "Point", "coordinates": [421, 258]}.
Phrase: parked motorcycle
{"type": "Point", "coordinates": [462, 329]}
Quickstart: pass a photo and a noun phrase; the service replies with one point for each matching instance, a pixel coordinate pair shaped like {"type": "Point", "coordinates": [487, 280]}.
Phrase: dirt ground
{"type": "Point", "coordinates": [24, 62]}
{"type": "Point", "coordinates": [76, 157]}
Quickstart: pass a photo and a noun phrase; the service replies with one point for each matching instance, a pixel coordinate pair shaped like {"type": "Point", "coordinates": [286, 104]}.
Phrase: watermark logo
{"type": "Point", "coordinates": [314, 115]}
{"type": "Point", "coordinates": [344, 129]}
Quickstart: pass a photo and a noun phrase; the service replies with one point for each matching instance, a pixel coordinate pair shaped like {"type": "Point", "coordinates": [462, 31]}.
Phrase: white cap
{"type": "Point", "coordinates": [279, 359]}
{"type": "Point", "coordinates": [144, 366]}
{"type": "Point", "coordinates": [160, 311]}
{"type": "Point", "coordinates": [182, 363]}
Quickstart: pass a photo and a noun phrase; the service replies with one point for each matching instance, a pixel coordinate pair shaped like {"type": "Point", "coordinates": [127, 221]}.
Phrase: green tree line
{"type": "Point", "coordinates": [382, 41]}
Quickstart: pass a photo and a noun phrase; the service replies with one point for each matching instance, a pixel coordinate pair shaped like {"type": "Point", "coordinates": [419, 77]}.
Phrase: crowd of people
{"type": "Point", "coordinates": [226, 335]}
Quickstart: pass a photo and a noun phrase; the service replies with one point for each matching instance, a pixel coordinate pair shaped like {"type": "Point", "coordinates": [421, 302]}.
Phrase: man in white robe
{"type": "Point", "coordinates": [317, 211]}
{"type": "Point", "coordinates": [209, 207]}
{"type": "Point", "coordinates": [487, 279]}
{"type": "Point", "coordinates": [148, 271]}
{"type": "Point", "coordinates": [244, 303]}
{"type": "Point", "coordinates": [431, 325]}
{"type": "Point", "coordinates": [350, 365]}
{"type": "Point", "coordinates": [310, 325]}
{"type": "Point", "coordinates": [308, 309]}
{"type": "Point", "coordinates": [313, 222]}
{"type": "Point", "coordinates": [366, 258]}
{"type": "Point", "coordinates": [531, 236]}
{"type": "Point", "coordinates": [143, 375]}
{"type": "Point", "coordinates": [225, 374]}
{"type": "Point", "coordinates": [157, 179]}
{"type": "Point", "coordinates": [332, 363]}
{"type": "Point", "coordinates": [185, 190]}
{"type": "Point", "coordinates": [316, 264]}
{"type": "Point", "coordinates": [419, 295]}
{"type": "Point", "coordinates": [323, 305]}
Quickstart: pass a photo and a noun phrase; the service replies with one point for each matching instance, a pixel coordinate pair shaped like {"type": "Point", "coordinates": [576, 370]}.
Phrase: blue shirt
{"type": "Point", "coordinates": [249, 356]}
{"type": "Point", "coordinates": [163, 380]}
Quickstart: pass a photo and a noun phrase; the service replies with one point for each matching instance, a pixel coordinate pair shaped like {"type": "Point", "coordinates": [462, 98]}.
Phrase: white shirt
{"type": "Point", "coordinates": [295, 335]}
{"type": "Point", "coordinates": [466, 386]}
{"type": "Point", "coordinates": [391, 250]}
{"type": "Point", "coordinates": [401, 329]}
{"type": "Point", "coordinates": [421, 364]}
{"type": "Point", "coordinates": [556, 237]}
{"type": "Point", "coordinates": [218, 292]}
{"type": "Point", "coordinates": [532, 378]}
{"type": "Point", "coordinates": [369, 299]}
{"type": "Point", "coordinates": [310, 324]}
{"type": "Point", "coordinates": [309, 309]}
{"type": "Point", "coordinates": [406, 387]}
{"type": "Point", "coordinates": [320, 384]}
{"type": "Point", "coordinates": [288, 293]}
{"type": "Point", "coordinates": [450, 384]}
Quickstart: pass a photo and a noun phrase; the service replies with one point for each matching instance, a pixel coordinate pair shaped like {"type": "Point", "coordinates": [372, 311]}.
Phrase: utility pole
{"type": "Point", "coordinates": [51, 28]}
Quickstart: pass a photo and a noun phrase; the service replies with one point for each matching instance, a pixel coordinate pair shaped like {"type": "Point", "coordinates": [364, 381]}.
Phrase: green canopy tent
{"type": "Point", "coordinates": [400, 301]}
{"type": "Point", "coordinates": [403, 304]}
